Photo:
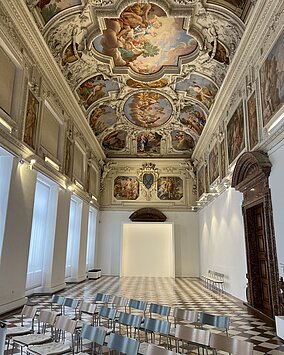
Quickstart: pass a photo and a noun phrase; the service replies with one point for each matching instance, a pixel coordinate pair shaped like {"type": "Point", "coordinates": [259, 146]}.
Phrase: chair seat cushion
{"type": "Point", "coordinates": [50, 348]}
{"type": "Point", "coordinates": [18, 330]}
{"type": "Point", "coordinates": [30, 339]}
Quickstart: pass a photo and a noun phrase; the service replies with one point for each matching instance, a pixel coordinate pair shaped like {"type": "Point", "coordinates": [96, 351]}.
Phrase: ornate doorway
{"type": "Point", "coordinates": [251, 177]}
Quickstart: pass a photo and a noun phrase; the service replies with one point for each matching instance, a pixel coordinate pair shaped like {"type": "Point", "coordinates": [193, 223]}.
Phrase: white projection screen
{"type": "Point", "coordinates": [148, 250]}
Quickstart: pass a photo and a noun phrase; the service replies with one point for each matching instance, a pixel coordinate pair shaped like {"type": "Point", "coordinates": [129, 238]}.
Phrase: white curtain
{"type": "Point", "coordinates": [5, 180]}
{"type": "Point", "coordinates": [73, 242]}
{"type": "Point", "coordinates": [90, 259]}
{"type": "Point", "coordinates": [38, 236]}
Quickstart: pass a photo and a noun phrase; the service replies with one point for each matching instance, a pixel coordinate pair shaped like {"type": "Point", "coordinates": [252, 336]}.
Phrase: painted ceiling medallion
{"type": "Point", "coordinates": [148, 109]}
{"type": "Point", "coordinates": [145, 39]}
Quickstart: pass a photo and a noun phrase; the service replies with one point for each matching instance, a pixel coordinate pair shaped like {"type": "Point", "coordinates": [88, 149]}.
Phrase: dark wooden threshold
{"type": "Point", "coordinates": [261, 315]}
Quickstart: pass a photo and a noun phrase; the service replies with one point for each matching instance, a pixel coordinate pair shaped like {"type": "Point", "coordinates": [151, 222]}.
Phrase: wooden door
{"type": "Point", "coordinates": [264, 301]}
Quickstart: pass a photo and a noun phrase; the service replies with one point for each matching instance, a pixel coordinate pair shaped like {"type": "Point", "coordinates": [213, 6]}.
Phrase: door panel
{"type": "Point", "coordinates": [264, 300]}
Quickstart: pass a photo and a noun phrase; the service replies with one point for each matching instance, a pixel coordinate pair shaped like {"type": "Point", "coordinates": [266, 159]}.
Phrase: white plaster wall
{"type": "Point", "coordinates": [148, 250]}
{"type": "Point", "coordinates": [222, 241]}
{"type": "Point", "coordinates": [109, 239]}
{"type": "Point", "coordinates": [276, 179]}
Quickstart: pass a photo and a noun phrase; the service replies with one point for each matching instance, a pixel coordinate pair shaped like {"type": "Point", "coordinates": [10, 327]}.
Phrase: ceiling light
{"type": "Point", "coordinates": [77, 183]}
{"type": "Point", "coordinates": [52, 163]}
{"type": "Point", "coordinates": [5, 124]}
{"type": "Point", "coordinates": [275, 123]}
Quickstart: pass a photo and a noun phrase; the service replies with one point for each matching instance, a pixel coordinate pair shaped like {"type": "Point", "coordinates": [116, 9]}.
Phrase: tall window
{"type": "Point", "coordinates": [6, 161]}
{"type": "Point", "coordinates": [90, 258]}
{"type": "Point", "coordinates": [38, 236]}
{"type": "Point", "coordinates": [42, 234]}
{"type": "Point", "coordinates": [73, 242]}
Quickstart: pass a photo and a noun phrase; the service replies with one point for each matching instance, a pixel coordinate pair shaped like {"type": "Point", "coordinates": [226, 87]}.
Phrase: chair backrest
{"type": "Point", "coordinates": [123, 344]}
{"type": "Point", "coordinates": [46, 318]}
{"type": "Point", "coordinates": [107, 313]}
{"type": "Point", "coordinates": [57, 300]}
{"type": "Point", "coordinates": [94, 334]}
{"type": "Point", "coordinates": [66, 324]}
{"type": "Point", "coordinates": [230, 345]}
{"type": "Point", "coordinates": [217, 321]}
{"type": "Point", "coordinates": [87, 307]}
{"type": "Point", "coordinates": [193, 335]}
{"type": "Point", "coordinates": [28, 312]}
{"type": "Point", "coordinates": [159, 309]}
{"type": "Point", "coordinates": [128, 319]}
{"type": "Point", "coordinates": [157, 325]}
{"type": "Point", "coordinates": [102, 298]}
{"type": "Point", "coordinates": [120, 301]}
{"type": "Point", "coordinates": [184, 315]}
{"type": "Point", "coordinates": [137, 304]}
{"type": "Point", "coordinates": [157, 350]}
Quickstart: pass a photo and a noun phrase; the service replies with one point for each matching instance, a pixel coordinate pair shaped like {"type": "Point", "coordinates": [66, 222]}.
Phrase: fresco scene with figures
{"type": "Point", "coordinates": [272, 81]}
{"type": "Point", "coordinates": [235, 133]}
{"type": "Point", "coordinates": [140, 39]}
{"type": "Point", "coordinates": [170, 188]}
{"type": "Point", "coordinates": [126, 188]}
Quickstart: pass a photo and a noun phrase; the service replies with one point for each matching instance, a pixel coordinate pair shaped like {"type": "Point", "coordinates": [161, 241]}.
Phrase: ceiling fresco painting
{"type": "Point", "coordinates": [193, 117]}
{"type": "Point", "coordinates": [49, 8]}
{"type": "Point", "coordinates": [115, 140]}
{"type": "Point", "coordinates": [148, 109]}
{"type": "Point", "coordinates": [182, 141]}
{"type": "Point", "coordinates": [95, 89]}
{"type": "Point", "coordinates": [145, 75]}
{"type": "Point", "coordinates": [140, 38]}
{"type": "Point", "coordinates": [200, 88]}
{"type": "Point", "coordinates": [101, 118]}
{"type": "Point", "coordinates": [149, 142]}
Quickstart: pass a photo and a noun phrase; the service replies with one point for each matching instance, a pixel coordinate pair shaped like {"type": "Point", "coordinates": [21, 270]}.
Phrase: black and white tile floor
{"type": "Point", "coordinates": [180, 292]}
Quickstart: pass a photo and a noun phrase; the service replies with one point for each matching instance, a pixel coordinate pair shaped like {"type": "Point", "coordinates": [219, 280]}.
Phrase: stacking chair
{"type": "Point", "coordinates": [119, 302]}
{"type": "Point", "coordinates": [56, 303]}
{"type": "Point", "coordinates": [230, 345]}
{"type": "Point", "coordinates": [154, 327]}
{"type": "Point", "coordinates": [159, 310]}
{"type": "Point", "coordinates": [28, 314]}
{"type": "Point", "coordinates": [188, 338]}
{"type": "Point", "coordinates": [184, 317]}
{"type": "Point", "coordinates": [45, 319]}
{"type": "Point", "coordinates": [137, 305]}
{"type": "Point", "coordinates": [62, 325]}
{"type": "Point", "coordinates": [132, 323]}
{"type": "Point", "coordinates": [95, 335]}
{"type": "Point", "coordinates": [123, 344]}
{"type": "Point", "coordinates": [89, 309]}
{"type": "Point", "coordinates": [71, 304]}
{"type": "Point", "coordinates": [102, 299]}
{"type": "Point", "coordinates": [106, 318]}
{"type": "Point", "coordinates": [216, 321]}
{"type": "Point", "coordinates": [157, 350]}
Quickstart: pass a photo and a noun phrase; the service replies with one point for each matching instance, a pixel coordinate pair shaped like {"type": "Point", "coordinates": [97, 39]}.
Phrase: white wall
{"type": "Point", "coordinates": [109, 239]}
{"type": "Point", "coordinates": [148, 250]}
{"type": "Point", "coordinates": [276, 157]}
{"type": "Point", "coordinates": [222, 241]}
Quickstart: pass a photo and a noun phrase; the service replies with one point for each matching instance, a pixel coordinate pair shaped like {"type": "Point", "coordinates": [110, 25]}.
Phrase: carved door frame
{"type": "Point", "coordinates": [251, 177]}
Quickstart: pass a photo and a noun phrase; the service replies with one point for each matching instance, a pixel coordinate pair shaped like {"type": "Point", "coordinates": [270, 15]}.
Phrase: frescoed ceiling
{"type": "Point", "coordinates": [146, 74]}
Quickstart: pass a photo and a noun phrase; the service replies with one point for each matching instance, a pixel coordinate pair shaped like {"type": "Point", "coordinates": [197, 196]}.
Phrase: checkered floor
{"type": "Point", "coordinates": [181, 292]}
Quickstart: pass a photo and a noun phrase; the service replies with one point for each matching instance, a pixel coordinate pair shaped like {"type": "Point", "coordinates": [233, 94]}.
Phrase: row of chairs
{"type": "Point", "coordinates": [117, 322]}
{"type": "Point", "coordinates": [199, 319]}
{"type": "Point", "coordinates": [185, 339]}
